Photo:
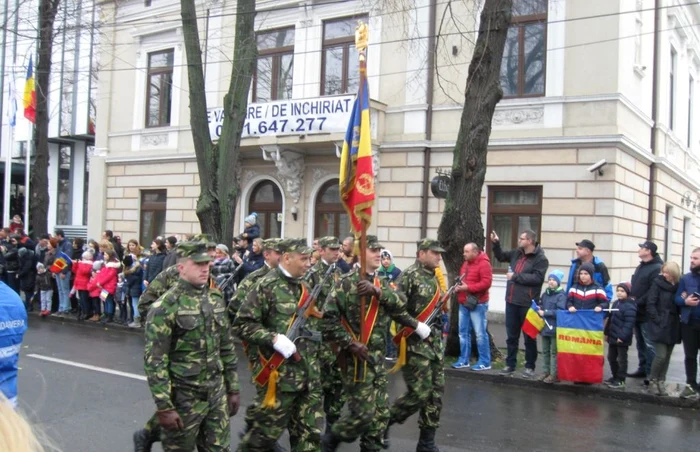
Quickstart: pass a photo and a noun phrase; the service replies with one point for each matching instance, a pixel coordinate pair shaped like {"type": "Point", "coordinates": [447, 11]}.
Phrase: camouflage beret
{"type": "Point", "coordinates": [329, 242]}
{"type": "Point", "coordinates": [272, 244]}
{"type": "Point", "coordinates": [294, 246]}
{"type": "Point", "coordinates": [373, 242]}
{"type": "Point", "coordinates": [195, 250]}
{"type": "Point", "coordinates": [429, 244]}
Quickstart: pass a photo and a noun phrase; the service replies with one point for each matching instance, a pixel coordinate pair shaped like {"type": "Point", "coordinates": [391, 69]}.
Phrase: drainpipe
{"type": "Point", "coordinates": [654, 117]}
{"type": "Point", "coordinates": [428, 117]}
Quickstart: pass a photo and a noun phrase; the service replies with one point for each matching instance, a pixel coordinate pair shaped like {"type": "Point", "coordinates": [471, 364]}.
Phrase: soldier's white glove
{"type": "Point", "coordinates": [284, 346]}
{"type": "Point", "coordinates": [422, 330]}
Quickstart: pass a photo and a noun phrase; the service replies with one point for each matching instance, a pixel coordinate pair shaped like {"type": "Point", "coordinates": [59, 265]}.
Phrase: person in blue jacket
{"type": "Point", "coordinates": [690, 324]}
{"type": "Point", "coordinates": [552, 300]}
{"type": "Point", "coordinates": [584, 253]}
{"type": "Point", "coordinates": [388, 270]}
{"type": "Point", "coordinates": [13, 324]}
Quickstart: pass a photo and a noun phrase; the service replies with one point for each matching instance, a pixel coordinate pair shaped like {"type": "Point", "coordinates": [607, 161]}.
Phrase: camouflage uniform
{"type": "Point", "coordinates": [190, 361]}
{"type": "Point", "coordinates": [331, 377]}
{"type": "Point", "coordinates": [267, 311]}
{"type": "Point", "coordinates": [368, 402]}
{"type": "Point", "coordinates": [157, 288]}
{"type": "Point", "coordinates": [424, 370]}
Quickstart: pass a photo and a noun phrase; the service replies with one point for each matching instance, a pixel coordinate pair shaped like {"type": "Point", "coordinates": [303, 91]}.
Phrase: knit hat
{"type": "Point", "coordinates": [250, 219]}
{"type": "Point", "coordinates": [87, 255]}
{"type": "Point", "coordinates": [627, 287]}
{"type": "Point", "coordinates": [387, 253]}
{"type": "Point", "coordinates": [40, 266]}
{"type": "Point", "coordinates": [97, 265]}
{"type": "Point", "coordinates": [588, 268]}
{"type": "Point", "coordinates": [223, 248]}
{"type": "Point", "coordinates": [556, 275]}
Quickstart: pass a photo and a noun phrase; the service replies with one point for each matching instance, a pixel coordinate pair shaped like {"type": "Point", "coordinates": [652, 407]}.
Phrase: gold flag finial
{"type": "Point", "coordinates": [361, 36]}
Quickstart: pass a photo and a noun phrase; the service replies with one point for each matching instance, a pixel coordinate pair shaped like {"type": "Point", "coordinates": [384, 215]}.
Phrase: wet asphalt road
{"type": "Point", "coordinates": [83, 409]}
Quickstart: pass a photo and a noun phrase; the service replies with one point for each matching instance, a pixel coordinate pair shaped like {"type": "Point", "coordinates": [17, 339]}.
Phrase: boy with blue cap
{"type": "Point", "coordinates": [553, 299]}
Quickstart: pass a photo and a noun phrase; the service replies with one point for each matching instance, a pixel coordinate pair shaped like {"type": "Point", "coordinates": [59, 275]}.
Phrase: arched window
{"type": "Point", "coordinates": [266, 200]}
{"type": "Point", "coordinates": [331, 218]}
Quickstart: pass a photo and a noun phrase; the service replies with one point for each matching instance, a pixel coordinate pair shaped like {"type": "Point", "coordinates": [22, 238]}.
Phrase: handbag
{"type": "Point", "coordinates": [471, 302]}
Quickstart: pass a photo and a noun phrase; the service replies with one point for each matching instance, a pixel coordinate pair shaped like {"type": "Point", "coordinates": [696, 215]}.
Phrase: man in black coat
{"type": "Point", "coordinates": [526, 274]}
{"type": "Point", "coordinates": [648, 269]}
{"type": "Point", "coordinates": [109, 235]}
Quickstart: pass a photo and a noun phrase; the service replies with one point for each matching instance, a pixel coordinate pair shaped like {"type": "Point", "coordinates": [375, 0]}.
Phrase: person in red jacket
{"type": "Point", "coordinates": [83, 270]}
{"type": "Point", "coordinates": [106, 279]}
{"type": "Point", "coordinates": [477, 276]}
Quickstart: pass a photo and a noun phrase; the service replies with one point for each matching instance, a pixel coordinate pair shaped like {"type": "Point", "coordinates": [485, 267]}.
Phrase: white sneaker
{"type": "Point", "coordinates": [135, 325]}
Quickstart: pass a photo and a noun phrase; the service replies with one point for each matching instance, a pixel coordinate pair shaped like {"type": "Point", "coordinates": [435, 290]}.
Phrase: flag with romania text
{"type": "Point", "coordinates": [580, 346]}
{"type": "Point", "coordinates": [356, 172]}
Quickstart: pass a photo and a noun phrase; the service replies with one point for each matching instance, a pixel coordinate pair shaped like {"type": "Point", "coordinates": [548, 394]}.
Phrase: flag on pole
{"type": "Point", "coordinates": [12, 102]}
{"type": "Point", "coordinates": [61, 262]}
{"type": "Point", "coordinates": [29, 99]}
{"type": "Point", "coordinates": [533, 322]}
{"type": "Point", "coordinates": [580, 346]}
{"type": "Point", "coordinates": [356, 171]}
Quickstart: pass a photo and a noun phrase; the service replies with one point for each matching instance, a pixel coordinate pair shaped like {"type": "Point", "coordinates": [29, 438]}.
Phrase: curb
{"type": "Point", "coordinates": [570, 388]}
{"type": "Point", "coordinates": [74, 321]}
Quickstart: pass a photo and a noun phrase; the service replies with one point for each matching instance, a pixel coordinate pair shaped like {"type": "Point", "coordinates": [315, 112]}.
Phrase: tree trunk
{"type": "Point", "coordinates": [216, 163]}
{"type": "Point", "coordinates": [38, 191]}
{"type": "Point", "coordinates": [461, 220]}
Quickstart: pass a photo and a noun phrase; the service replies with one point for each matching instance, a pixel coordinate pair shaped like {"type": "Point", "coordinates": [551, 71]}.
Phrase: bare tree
{"type": "Point", "coordinates": [461, 220]}
{"type": "Point", "coordinates": [217, 162]}
{"type": "Point", "coordinates": [40, 173]}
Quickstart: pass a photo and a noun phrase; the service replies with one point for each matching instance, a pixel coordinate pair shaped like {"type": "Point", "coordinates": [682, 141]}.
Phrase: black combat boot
{"type": "Point", "coordinates": [426, 442]}
{"type": "Point", "coordinates": [386, 444]}
{"type": "Point", "coordinates": [330, 420]}
{"type": "Point", "coordinates": [142, 441]}
{"type": "Point", "coordinates": [329, 442]}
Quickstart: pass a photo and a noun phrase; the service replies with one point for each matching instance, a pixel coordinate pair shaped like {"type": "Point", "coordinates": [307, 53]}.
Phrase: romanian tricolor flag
{"type": "Point", "coordinates": [580, 346]}
{"type": "Point", "coordinates": [62, 261]}
{"type": "Point", "coordinates": [356, 172]}
{"type": "Point", "coordinates": [533, 322]}
{"type": "Point", "coordinates": [29, 99]}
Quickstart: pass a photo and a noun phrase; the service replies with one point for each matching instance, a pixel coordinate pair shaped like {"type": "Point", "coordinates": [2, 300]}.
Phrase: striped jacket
{"type": "Point", "coordinates": [587, 297]}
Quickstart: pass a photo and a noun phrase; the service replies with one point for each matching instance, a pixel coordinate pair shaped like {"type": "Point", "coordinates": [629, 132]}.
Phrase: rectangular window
{"type": "Point", "coordinates": [511, 210]}
{"type": "Point", "coordinates": [275, 65]}
{"type": "Point", "coordinates": [672, 90]}
{"type": "Point", "coordinates": [691, 101]}
{"type": "Point", "coordinates": [340, 66]}
{"type": "Point", "coordinates": [64, 192]}
{"type": "Point", "coordinates": [153, 208]}
{"type": "Point", "coordinates": [668, 233]}
{"type": "Point", "coordinates": [159, 91]}
{"type": "Point", "coordinates": [687, 241]}
{"type": "Point", "coordinates": [524, 56]}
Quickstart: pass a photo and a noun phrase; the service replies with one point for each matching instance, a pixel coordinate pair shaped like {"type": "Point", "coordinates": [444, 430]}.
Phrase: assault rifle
{"type": "Point", "coordinates": [235, 273]}
{"type": "Point", "coordinates": [445, 298]}
{"type": "Point", "coordinates": [297, 329]}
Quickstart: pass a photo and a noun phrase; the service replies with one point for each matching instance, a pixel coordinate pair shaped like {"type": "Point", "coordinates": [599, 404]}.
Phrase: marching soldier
{"type": "Point", "coordinates": [424, 370]}
{"type": "Point", "coordinates": [144, 438]}
{"type": "Point", "coordinates": [364, 375]}
{"type": "Point", "coordinates": [286, 398]}
{"type": "Point", "coordinates": [190, 360]}
{"type": "Point", "coordinates": [331, 378]}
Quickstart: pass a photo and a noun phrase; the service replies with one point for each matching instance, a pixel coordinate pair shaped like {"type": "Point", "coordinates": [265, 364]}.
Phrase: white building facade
{"type": "Point", "coordinates": [573, 98]}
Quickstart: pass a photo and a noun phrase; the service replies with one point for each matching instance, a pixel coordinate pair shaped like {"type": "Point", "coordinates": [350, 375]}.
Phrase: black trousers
{"type": "Point", "coordinates": [617, 357]}
{"type": "Point", "coordinates": [515, 317]}
{"type": "Point", "coordinates": [690, 335]}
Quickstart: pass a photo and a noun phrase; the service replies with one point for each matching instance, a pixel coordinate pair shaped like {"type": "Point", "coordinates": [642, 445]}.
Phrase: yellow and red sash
{"type": "Point", "coordinates": [368, 323]}
{"type": "Point", "coordinates": [269, 373]}
{"type": "Point", "coordinates": [402, 335]}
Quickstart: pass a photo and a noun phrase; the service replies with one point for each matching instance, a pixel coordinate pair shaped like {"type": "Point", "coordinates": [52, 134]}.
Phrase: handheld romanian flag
{"type": "Point", "coordinates": [62, 261]}
{"type": "Point", "coordinates": [533, 322]}
{"type": "Point", "coordinates": [580, 346]}
{"type": "Point", "coordinates": [356, 171]}
{"type": "Point", "coordinates": [29, 99]}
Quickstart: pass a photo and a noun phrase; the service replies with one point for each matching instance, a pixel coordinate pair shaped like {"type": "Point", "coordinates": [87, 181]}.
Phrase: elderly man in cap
{"type": "Point", "coordinates": [331, 379]}
{"type": "Point", "coordinates": [195, 389]}
{"type": "Point", "coordinates": [424, 372]}
{"type": "Point", "coordinates": [584, 254]}
{"type": "Point", "coordinates": [286, 397]}
{"type": "Point", "coordinates": [362, 359]}
{"type": "Point", "coordinates": [648, 269]}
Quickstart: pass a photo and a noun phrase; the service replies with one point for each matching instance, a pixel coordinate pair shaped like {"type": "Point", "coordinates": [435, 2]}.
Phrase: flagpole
{"type": "Point", "coordinates": [27, 167]}
{"type": "Point", "coordinates": [361, 45]}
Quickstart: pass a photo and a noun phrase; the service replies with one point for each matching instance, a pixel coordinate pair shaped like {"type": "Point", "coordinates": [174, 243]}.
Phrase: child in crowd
{"type": "Point", "coordinates": [553, 299]}
{"type": "Point", "coordinates": [94, 292]}
{"type": "Point", "coordinates": [82, 270]}
{"type": "Point", "coordinates": [619, 330]}
{"type": "Point", "coordinates": [120, 298]}
{"type": "Point", "coordinates": [43, 286]}
{"type": "Point", "coordinates": [586, 293]}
